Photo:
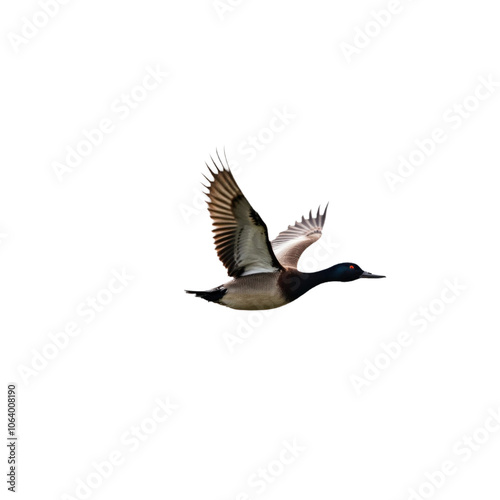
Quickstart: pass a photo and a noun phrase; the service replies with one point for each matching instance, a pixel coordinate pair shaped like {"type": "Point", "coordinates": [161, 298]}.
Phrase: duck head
{"type": "Point", "coordinates": [348, 271]}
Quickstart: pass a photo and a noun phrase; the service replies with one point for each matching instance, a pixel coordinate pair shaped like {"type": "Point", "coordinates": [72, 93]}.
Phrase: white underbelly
{"type": "Point", "coordinates": [258, 291]}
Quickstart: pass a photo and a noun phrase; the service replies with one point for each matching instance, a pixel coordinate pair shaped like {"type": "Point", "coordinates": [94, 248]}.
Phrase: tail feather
{"type": "Point", "coordinates": [213, 295]}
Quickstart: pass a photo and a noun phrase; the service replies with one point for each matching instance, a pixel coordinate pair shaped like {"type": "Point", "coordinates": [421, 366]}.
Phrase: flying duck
{"type": "Point", "coordinates": [265, 274]}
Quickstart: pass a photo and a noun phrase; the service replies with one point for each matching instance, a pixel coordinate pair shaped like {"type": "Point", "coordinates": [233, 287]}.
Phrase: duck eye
{"type": "Point", "coordinates": [351, 267]}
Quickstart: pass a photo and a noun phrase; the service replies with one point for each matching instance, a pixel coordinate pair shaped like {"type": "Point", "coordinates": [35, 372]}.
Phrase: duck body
{"type": "Point", "coordinates": [264, 290]}
{"type": "Point", "coordinates": [265, 274]}
{"type": "Point", "coordinates": [271, 290]}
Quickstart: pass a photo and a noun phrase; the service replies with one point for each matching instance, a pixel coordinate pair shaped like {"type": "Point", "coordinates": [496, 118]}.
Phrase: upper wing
{"type": "Point", "coordinates": [290, 244]}
{"type": "Point", "coordinates": [241, 238]}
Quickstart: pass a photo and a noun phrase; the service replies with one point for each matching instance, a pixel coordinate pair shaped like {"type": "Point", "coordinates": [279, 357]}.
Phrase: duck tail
{"type": "Point", "coordinates": [213, 295]}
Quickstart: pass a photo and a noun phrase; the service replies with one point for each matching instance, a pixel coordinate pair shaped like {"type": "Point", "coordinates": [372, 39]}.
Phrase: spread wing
{"type": "Point", "coordinates": [240, 235]}
{"type": "Point", "coordinates": [290, 244]}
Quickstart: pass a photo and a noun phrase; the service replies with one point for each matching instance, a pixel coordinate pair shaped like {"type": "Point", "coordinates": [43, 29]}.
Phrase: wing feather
{"type": "Point", "coordinates": [291, 243]}
{"type": "Point", "coordinates": [241, 237]}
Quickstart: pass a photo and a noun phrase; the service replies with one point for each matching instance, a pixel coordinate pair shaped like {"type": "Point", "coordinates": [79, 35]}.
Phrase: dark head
{"type": "Point", "coordinates": [347, 271]}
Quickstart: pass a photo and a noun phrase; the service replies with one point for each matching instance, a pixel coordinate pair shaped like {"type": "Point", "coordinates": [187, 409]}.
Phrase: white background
{"type": "Point", "coordinates": [133, 203]}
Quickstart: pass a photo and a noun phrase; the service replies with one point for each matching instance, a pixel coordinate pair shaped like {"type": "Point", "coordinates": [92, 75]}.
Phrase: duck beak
{"type": "Point", "coordinates": [370, 275]}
